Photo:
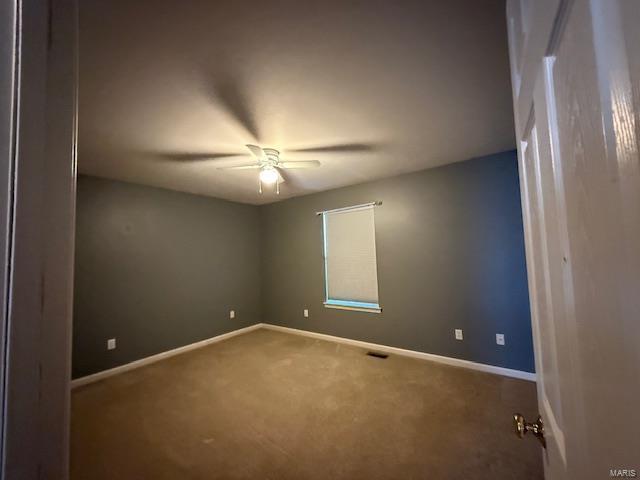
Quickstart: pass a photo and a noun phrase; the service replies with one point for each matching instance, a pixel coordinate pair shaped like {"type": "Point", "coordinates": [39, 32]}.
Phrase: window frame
{"type": "Point", "coordinates": [345, 304]}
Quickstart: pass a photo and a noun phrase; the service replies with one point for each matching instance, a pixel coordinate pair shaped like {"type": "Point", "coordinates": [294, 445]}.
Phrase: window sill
{"type": "Point", "coordinates": [353, 306]}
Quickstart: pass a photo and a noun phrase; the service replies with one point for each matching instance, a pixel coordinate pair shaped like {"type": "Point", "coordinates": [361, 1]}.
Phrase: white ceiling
{"type": "Point", "coordinates": [386, 86]}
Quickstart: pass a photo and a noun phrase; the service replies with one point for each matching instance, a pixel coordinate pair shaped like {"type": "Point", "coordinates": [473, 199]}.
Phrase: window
{"type": "Point", "coordinates": [350, 269]}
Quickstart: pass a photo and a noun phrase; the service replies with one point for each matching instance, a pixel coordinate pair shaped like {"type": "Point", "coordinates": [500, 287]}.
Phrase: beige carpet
{"type": "Point", "coordinates": [269, 405]}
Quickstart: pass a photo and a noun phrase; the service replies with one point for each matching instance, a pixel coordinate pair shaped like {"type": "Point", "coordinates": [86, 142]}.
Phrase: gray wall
{"type": "Point", "coordinates": [157, 270]}
{"type": "Point", "coordinates": [450, 254]}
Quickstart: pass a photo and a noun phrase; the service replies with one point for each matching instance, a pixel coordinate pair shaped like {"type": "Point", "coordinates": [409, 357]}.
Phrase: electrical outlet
{"type": "Point", "coordinates": [458, 334]}
{"type": "Point", "coordinates": [306, 313]}
{"type": "Point", "coordinates": [232, 314]}
{"type": "Point", "coordinates": [111, 344]}
{"type": "Point", "coordinates": [500, 338]}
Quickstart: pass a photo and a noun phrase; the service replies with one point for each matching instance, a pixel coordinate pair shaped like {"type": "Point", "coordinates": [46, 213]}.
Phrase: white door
{"type": "Point", "coordinates": [576, 77]}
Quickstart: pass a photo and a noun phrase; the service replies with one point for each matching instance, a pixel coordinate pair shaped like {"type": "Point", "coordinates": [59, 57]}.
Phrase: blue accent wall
{"type": "Point", "coordinates": [450, 253]}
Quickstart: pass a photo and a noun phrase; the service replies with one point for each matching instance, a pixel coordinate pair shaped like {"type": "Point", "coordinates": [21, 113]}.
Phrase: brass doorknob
{"type": "Point", "coordinates": [521, 428]}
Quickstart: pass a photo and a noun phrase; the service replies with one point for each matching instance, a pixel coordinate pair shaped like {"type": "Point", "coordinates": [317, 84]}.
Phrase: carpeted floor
{"type": "Point", "coordinates": [269, 405]}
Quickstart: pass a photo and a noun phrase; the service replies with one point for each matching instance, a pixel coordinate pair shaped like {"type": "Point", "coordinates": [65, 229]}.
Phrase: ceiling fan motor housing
{"type": "Point", "coordinates": [271, 154]}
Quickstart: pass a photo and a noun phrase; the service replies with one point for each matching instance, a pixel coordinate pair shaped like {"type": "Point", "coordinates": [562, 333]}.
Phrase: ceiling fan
{"type": "Point", "coordinates": [269, 164]}
{"type": "Point", "coordinates": [225, 88]}
{"type": "Point", "coordinates": [267, 160]}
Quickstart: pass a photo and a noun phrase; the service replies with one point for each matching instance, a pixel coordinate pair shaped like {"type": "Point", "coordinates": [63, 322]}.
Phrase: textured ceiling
{"type": "Point", "coordinates": [371, 88]}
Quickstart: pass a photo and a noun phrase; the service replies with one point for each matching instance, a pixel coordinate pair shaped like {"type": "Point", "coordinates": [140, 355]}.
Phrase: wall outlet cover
{"type": "Point", "coordinates": [232, 314]}
{"type": "Point", "coordinates": [111, 344]}
{"type": "Point", "coordinates": [306, 313]}
{"type": "Point", "coordinates": [500, 338]}
{"type": "Point", "coordinates": [458, 332]}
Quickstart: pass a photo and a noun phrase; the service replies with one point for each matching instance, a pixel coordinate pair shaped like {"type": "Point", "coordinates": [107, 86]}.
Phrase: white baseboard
{"type": "Point", "coordinates": [78, 382]}
{"type": "Point", "coordinates": [456, 362]}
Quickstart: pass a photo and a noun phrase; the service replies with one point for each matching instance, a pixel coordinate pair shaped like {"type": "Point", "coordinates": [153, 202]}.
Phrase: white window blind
{"type": "Point", "coordinates": [351, 274]}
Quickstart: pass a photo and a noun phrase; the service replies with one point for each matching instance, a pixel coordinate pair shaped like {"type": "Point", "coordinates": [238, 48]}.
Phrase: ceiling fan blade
{"type": "Point", "coordinates": [257, 151]}
{"type": "Point", "coordinates": [227, 86]}
{"type": "Point", "coordinates": [281, 178]}
{"type": "Point", "coordinates": [300, 164]}
{"type": "Point", "coordinates": [339, 148]}
{"type": "Point", "coordinates": [253, 166]}
{"type": "Point", "coordinates": [195, 157]}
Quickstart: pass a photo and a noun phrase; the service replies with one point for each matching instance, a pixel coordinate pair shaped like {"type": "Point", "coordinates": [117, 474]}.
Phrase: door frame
{"type": "Point", "coordinates": [8, 113]}
{"type": "Point", "coordinates": [38, 93]}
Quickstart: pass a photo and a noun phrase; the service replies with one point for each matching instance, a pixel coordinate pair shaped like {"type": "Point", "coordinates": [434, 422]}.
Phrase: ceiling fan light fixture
{"type": "Point", "coordinates": [268, 175]}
